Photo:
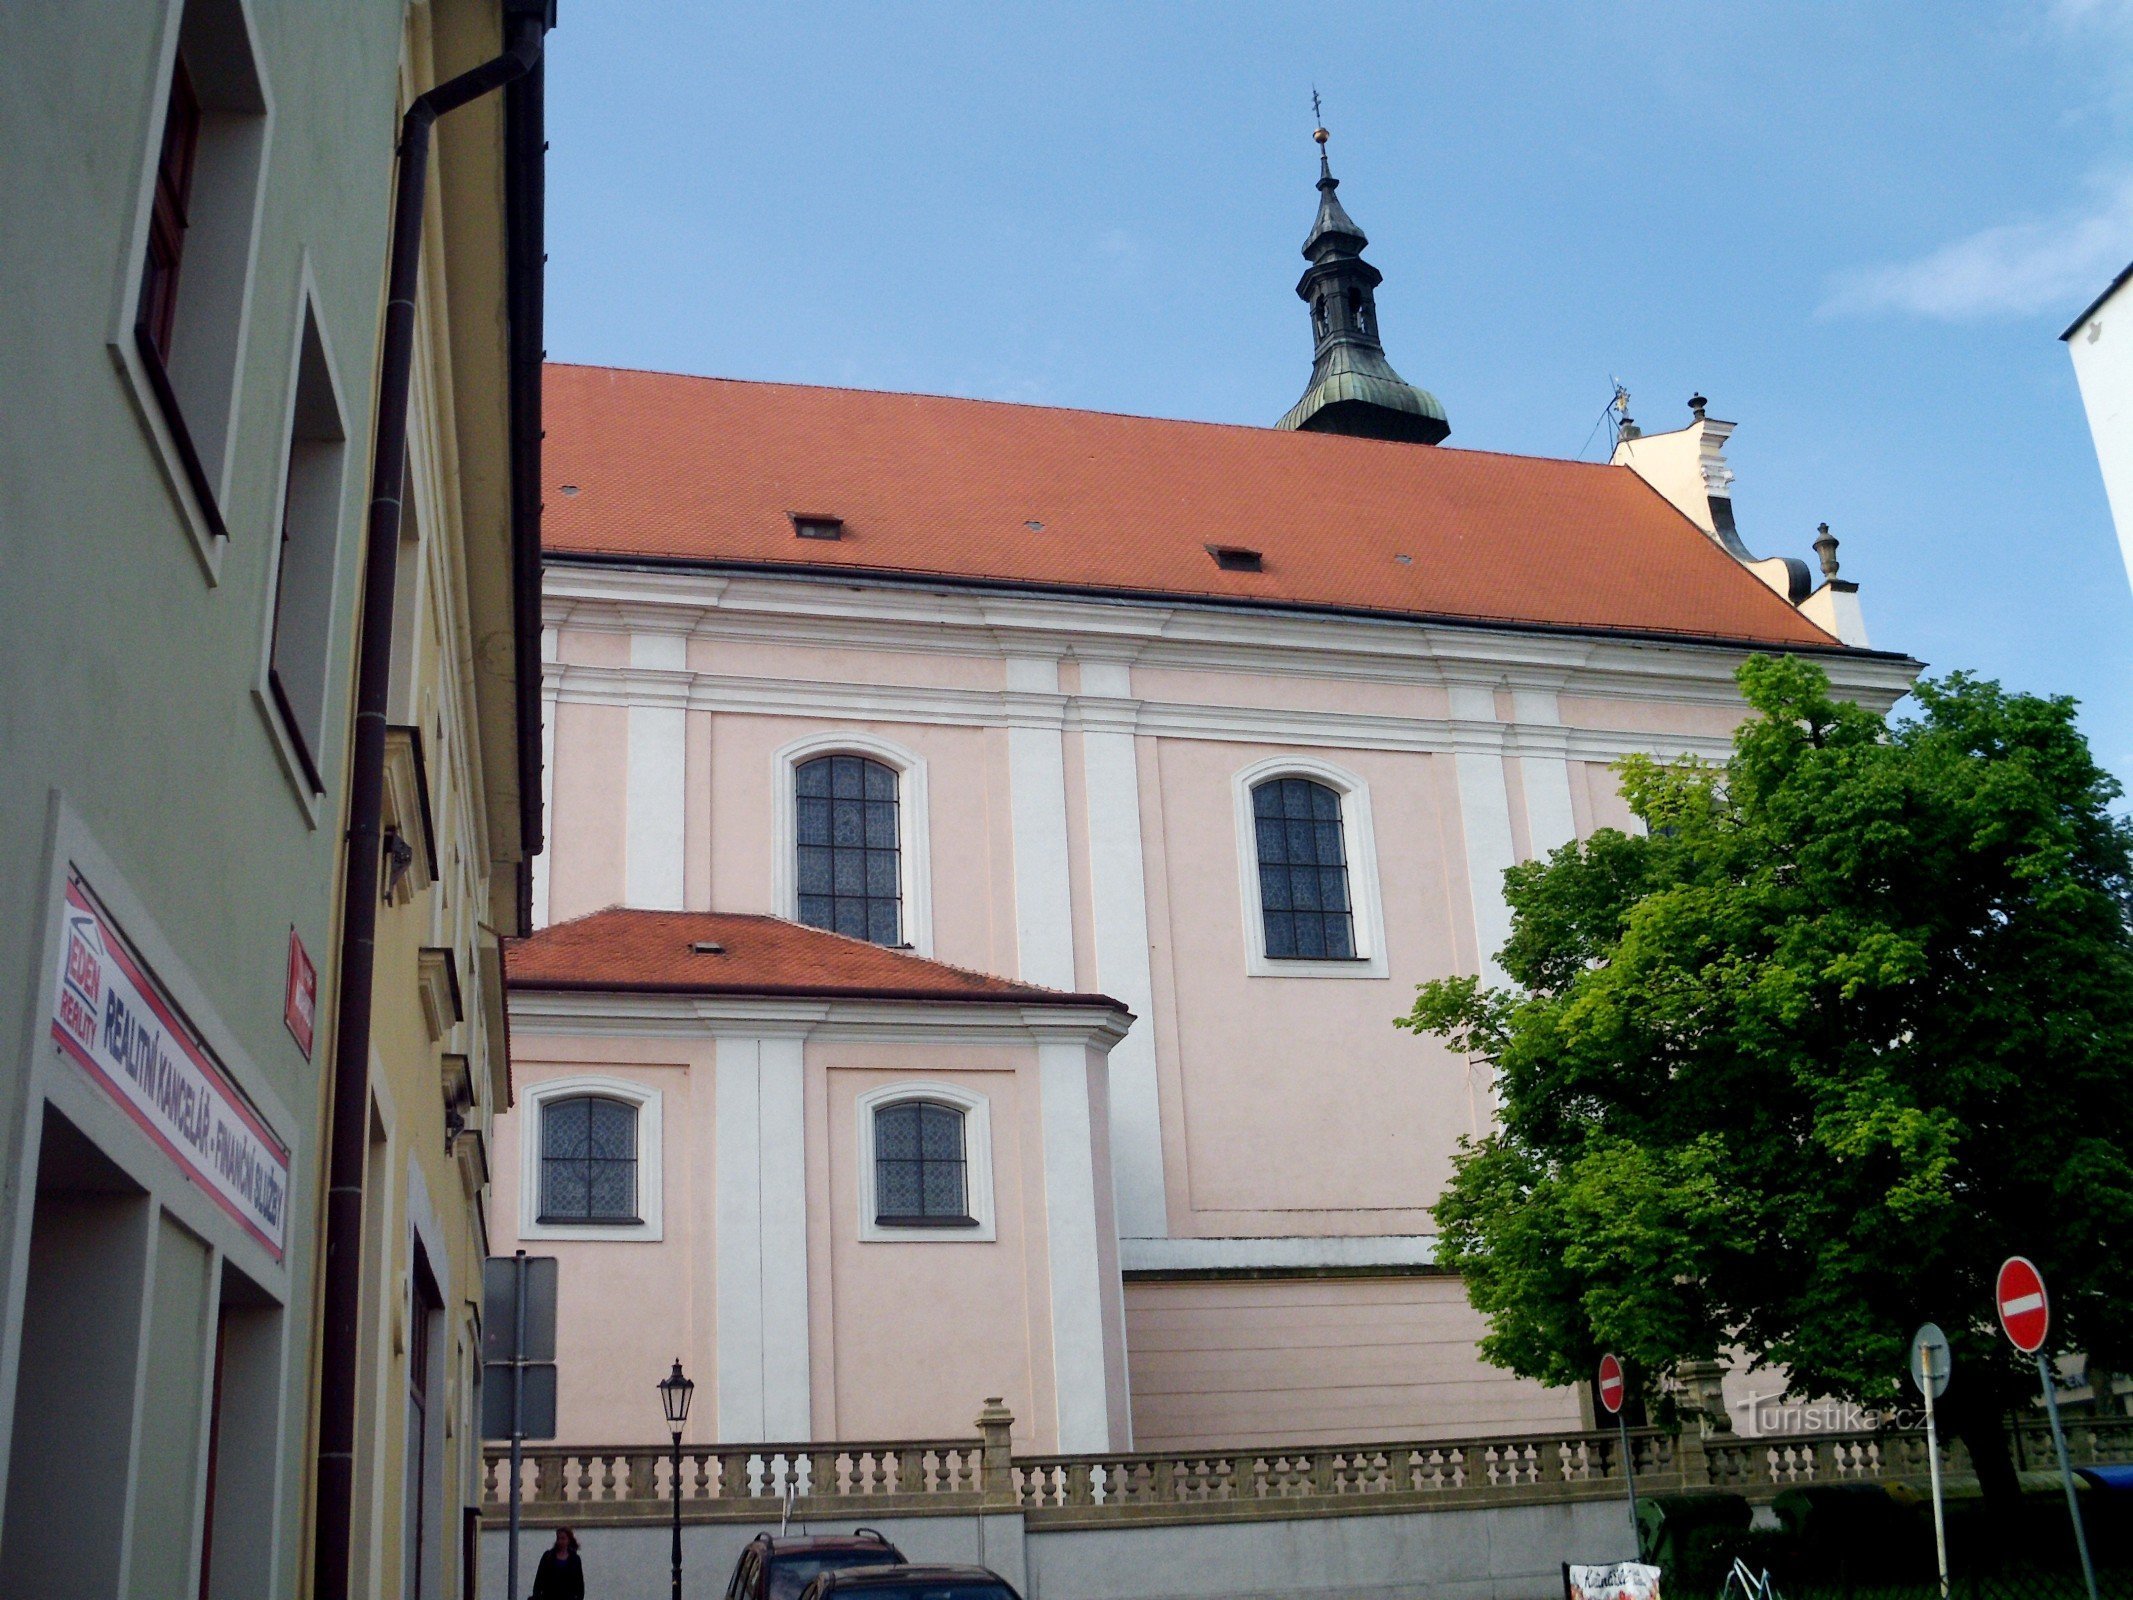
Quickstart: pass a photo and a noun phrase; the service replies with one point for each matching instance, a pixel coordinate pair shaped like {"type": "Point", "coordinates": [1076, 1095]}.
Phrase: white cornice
{"type": "Point", "coordinates": [850, 613]}
{"type": "Point", "coordinates": [987, 708]}
{"type": "Point", "coordinates": [759, 1016]}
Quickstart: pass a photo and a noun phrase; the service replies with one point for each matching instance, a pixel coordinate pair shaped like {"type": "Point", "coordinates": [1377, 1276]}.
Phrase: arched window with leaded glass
{"type": "Point", "coordinates": [588, 1160]}
{"type": "Point", "coordinates": [1303, 871]}
{"type": "Point", "coordinates": [849, 866]}
{"type": "Point", "coordinates": [921, 1166]}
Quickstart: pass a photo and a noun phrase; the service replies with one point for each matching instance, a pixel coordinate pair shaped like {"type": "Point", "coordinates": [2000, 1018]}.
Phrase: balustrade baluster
{"type": "Point", "coordinates": [825, 1474]}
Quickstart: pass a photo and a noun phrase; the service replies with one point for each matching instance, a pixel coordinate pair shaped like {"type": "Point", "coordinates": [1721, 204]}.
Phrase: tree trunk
{"type": "Point", "coordinates": [1977, 1415]}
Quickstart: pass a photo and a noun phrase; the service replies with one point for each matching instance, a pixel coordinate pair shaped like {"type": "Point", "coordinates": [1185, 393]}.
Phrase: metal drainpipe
{"type": "Point", "coordinates": [341, 1313]}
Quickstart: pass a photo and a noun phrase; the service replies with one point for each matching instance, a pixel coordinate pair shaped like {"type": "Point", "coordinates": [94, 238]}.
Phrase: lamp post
{"type": "Point", "coordinates": [674, 1393]}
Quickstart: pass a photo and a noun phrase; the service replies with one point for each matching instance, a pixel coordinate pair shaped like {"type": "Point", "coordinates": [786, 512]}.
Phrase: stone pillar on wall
{"type": "Point", "coordinates": [1081, 1251]}
{"type": "Point", "coordinates": [1119, 903]}
{"type": "Point", "coordinates": [1036, 782]}
{"type": "Point", "coordinates": [655, 781]}
{"type": "Point", "coordinates": [1484, 819]}
{"type": "Point", "coordinates": [759, 1241]}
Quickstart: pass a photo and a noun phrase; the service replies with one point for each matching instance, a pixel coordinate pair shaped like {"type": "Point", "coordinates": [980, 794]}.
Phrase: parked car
{"type": "Point", "coordinates": [778, 1568]}
{"type": "Point", "coordinates": [910, 1583]}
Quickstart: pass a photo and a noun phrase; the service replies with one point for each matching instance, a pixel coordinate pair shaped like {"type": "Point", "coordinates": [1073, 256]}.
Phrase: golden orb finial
{"type": "Point", "coordinates": [1321, 136]}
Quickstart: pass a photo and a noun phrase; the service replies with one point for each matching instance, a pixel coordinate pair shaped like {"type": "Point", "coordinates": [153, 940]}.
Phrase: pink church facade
{"type": "Point", "coordinates": [989, 848]}
{"type": "Point", "coordinates": [1196, 1158]}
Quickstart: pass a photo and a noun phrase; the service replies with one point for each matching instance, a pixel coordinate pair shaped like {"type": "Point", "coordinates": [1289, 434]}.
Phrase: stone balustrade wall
{"type": "Point", "coordinates": [960, 1477]}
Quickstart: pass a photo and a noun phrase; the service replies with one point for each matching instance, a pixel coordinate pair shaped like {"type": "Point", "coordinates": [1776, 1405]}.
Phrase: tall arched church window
{"type": "Point", "coordinates": [848, 869]}
{"type": "Point", "coordinates": [921, 1172]}
{"type": "Point", "coordinates": [1303, 871]}
{"type": "Point", "coordinates": [588, 1160]}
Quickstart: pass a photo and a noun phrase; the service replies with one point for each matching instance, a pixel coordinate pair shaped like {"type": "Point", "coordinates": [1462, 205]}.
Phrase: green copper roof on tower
{"type": "Point", "coordinates": [1353, 388]}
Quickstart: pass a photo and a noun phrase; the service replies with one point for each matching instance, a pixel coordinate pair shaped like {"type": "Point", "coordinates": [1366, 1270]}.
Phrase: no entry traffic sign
{"type": "Point", "coordinates": [2024, 1311]}
{"type": "Point", "coordinates": [1610, 1386]}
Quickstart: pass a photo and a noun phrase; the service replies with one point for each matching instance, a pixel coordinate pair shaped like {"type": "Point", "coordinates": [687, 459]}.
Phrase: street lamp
{"type": "Point", "coordinates": [674, 1393]}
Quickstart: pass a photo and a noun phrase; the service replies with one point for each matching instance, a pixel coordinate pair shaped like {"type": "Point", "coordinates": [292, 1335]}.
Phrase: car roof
{"type": "Point", "coordinates": [860, 1577]}
{"type": "Point", "coordinates": [779, 1546]}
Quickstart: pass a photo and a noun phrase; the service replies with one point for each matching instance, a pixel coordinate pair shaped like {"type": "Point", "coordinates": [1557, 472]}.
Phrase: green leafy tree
{"type": "Point", "coordinates": [1794, 1071]}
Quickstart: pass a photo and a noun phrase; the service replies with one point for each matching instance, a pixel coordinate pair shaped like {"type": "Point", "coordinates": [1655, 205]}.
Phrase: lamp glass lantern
{"type": "Point", "coordinates": [675, 1392]}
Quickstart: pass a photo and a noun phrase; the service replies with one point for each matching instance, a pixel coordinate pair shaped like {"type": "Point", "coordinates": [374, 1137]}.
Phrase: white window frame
{"type": "Point", "coordinates": [977, 1162]}
{"type": "Point", "coordinates": [216, 455]}
{"type": "Point", "coordinates": [913, 830]}
{"type": "Point", "coordinates": [309, 318]}
{"type": "Point", "coordinates": [533, 1100]}
{"type": "Point", "coordinates": [1359, 840]}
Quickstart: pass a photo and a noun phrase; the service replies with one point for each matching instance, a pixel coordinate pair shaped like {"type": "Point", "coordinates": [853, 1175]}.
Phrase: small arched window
{"type": "Point", "coordinates": [849, 869]}
{"type": "Point", "coordinates": [1303, 871]}
{"type": "Point", "coordinates": [588, 1160]}
{"type": "Point", "coordinates": [921, 1169]}
{"type": "Point", "coordinates": [1318, 315]}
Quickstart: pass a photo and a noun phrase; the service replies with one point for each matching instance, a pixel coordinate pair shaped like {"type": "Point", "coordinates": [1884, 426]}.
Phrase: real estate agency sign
{"type": "Point", "coordinates": [113, 1018]}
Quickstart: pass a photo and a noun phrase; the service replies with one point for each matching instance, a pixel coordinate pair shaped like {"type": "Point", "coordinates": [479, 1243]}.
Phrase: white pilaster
{"type": "Point", "coordinates": [1550, 822]}
{"type": "Point", "coordinates": [1119, 901]}
{"type": "Point", "coordinates": [656, 780]}
{"type": "Point", "coordinates": [781, 1098]}
{"type": "Point", "coordinates": [759, 1241]}
{"type": "Point", "coordinates": [550, 675]}
{"type": "Point", "coordinates": [1485, 821]}
{"type": "Point", "coordinates": [1080, 1371]}
{"type": "Point", "coordinates": [1036, 781]}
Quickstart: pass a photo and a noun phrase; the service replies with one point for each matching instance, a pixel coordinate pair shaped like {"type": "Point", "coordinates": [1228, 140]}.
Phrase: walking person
{"type": "Point", "coordinates": [560, 1576]}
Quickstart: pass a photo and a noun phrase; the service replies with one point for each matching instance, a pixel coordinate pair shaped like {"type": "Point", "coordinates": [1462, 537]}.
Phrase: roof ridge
{"type": "Point", "coordinates": [648, 913]}
{"type": "Point", "coordinates": [1076, 411]}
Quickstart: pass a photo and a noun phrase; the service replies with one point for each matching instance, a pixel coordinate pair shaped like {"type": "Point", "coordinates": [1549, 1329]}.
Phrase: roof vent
{"type": "Point", "coordinates": [1235, 558]}
{"type": "Point", "coordinates": [809, 526]}
{"type": "Point", "coordinates": [706, 947]}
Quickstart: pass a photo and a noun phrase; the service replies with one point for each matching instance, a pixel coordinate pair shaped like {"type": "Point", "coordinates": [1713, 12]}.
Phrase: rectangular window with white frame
{"type": "Point", "coordinates": [182, 328]}
{"type": "Point", "coordinates": [307, 560]}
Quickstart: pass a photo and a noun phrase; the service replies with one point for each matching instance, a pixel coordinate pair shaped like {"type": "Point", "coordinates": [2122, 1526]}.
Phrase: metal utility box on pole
{"type": "Point", "coordinates": [518, 1390]}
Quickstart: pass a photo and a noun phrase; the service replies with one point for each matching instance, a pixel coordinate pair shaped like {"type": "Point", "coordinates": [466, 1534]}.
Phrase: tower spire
{"type": "Point", "coordinates": [1353, 388]}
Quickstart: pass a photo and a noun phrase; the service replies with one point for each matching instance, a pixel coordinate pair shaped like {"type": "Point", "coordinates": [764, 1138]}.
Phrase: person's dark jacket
{"type": "Point", "coordinates": [559, 1577]}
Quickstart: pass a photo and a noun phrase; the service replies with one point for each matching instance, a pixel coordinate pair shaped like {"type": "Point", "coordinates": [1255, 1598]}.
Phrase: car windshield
{"type": "Point", "coordinates": [790, 1574]}
{"type": "Point", "coordinates": [941, 1589]}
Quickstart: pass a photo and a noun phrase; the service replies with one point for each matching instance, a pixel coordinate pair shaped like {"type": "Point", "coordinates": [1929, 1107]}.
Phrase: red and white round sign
{"type": "Point", "coordinates": [1610, 1387]}
{"type": "Point", "coordinates": [2024, 1312]}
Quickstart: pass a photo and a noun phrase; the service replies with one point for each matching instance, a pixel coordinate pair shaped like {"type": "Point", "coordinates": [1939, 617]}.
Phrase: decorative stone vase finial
{"type": "Point", "coordinates": [1826, 548]}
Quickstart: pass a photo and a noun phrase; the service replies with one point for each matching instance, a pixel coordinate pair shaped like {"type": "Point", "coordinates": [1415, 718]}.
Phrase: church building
{"type": "Point", "coordinates": [990, 846]}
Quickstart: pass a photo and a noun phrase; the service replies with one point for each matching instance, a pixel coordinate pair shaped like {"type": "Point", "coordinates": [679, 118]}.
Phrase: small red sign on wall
{"type": "Point", "coordinates": [300, 1004]}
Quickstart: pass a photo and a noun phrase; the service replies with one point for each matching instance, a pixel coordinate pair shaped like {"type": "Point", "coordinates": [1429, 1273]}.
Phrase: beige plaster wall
{"type": "Point", "coordinates": [1319, 1361]}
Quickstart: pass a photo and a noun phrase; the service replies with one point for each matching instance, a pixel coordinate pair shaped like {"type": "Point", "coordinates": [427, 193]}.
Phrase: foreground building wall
{"type": "Point", "coordinates": [190, 355]}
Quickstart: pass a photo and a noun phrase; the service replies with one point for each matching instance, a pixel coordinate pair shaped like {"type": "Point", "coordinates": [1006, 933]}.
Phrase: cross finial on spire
{"type": "Point", "coordinates": [1319, 133]}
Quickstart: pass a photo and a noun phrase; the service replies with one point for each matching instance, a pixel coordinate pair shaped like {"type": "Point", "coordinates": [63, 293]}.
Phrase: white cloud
{"type": "Point", "coordinates": [2013, 270]}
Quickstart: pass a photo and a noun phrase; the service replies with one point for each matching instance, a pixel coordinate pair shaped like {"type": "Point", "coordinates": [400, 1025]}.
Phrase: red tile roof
{"type": "Point", "coordinates": [712, 469]}
{"type": "Point", "coordinates": [624, 951]}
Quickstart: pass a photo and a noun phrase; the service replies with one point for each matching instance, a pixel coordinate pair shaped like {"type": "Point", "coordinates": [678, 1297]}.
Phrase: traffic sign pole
{"type": "Point", "coordinates": [1611, 1389]}
{"type": "Point", "coordinates": [1940, 1527]}
{"type": "Point", "coordinates": [1629, 1473]}
{"type": "Point", "coordinates": [2066, 1472]}
{"type": "Point", "coordinates": [518, 1409]}
{"type": "Point", "coordinates": [2026, 1318]}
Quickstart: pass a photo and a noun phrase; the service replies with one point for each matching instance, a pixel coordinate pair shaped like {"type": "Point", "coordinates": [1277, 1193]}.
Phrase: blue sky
{"type": "Point", "coordinates": [1858, 229]}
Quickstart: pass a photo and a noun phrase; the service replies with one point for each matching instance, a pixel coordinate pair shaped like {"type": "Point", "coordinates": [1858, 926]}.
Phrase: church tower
{"type": "Point", "coordinates": [1353, 388]}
